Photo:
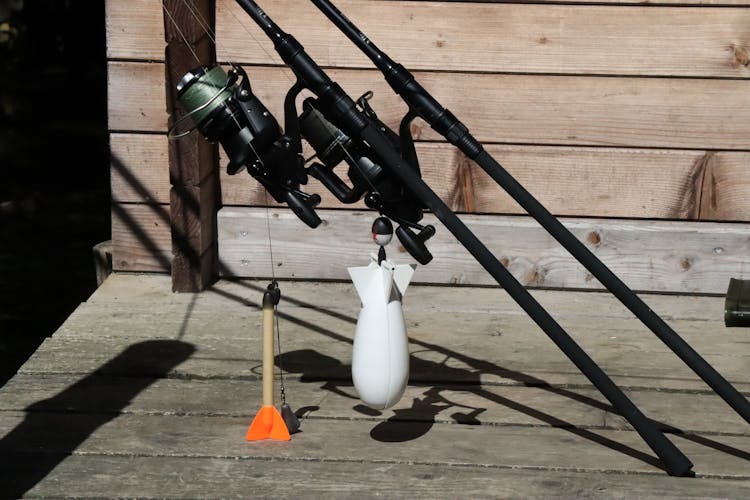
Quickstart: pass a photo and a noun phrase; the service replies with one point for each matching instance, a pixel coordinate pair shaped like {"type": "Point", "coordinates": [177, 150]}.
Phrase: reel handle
{"type": "Point", "coordinates": [304, 207]}
{"type": "Point", "coordinates": [415, 242]}
{"type": "Point", "coordinates": [335, 184]}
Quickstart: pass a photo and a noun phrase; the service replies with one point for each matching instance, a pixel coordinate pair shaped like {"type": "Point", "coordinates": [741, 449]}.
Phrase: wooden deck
{"type": "Point", "coordinates": [146, 393]}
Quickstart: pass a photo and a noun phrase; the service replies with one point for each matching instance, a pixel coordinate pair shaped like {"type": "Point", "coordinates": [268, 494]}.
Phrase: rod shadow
{"type": "Point", "coordinates": [413, 422]}
{"type": "Point", "coordinates": [54, 428]}
{"type": "Point", "coordinates": [447, 377]}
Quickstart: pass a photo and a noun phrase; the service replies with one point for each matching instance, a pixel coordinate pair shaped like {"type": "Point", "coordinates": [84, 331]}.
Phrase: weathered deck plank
{"type": "Point", "coordinates": [141, 385]}
{"type": "Point", "coordinates": [139, 289]}
{"type": "Point", "coordinates": [489, 349]}
{"type": "Point", "coordinates": [492, 341]}
{"type": "Point", "coordinates": [455, 403]}
{"type": "Point", "coordinates": [459, 445]}
{"type": "Point", "coordinates": [199, 477]}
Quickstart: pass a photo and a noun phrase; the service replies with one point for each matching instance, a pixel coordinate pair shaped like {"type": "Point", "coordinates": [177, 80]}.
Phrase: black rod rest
{"type": "Point", "coordinates": [339, 109]}
{"type": "Point", "coordinates": [737, 304]}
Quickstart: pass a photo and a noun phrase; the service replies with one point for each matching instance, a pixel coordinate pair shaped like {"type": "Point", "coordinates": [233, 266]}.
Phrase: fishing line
{"type": "Point", "coordinates": [282, 385]}
{"type": "Point", "coordinates": [251, 35]}
{"type": "Point", "coordinates": [268, 216]}
{"type": "Point", "coordinates": [182, 35]}
{"type": "Point", "coordinates": [211, 35]}
{"type": "Point", "coordinates": [205, 26]}
{"type": "Point", "coordinates": [201, 20]}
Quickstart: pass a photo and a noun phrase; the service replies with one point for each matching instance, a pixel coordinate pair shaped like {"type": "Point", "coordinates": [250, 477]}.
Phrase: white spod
{"type": "Point", "coordinates": [380, 358]}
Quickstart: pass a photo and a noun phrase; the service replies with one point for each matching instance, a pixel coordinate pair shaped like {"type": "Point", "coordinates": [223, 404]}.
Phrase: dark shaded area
{"type": "Point", "coordinates": [54, 178]}
{"type": "Point", "coordinates": [737, 304]}
{"type": "Point", "coordinates": [415, 421]}
{"type": "Point", "coordinates": [55, 427]}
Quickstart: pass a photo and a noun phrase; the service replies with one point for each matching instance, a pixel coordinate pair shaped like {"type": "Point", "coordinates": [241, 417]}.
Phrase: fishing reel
{"type": "Point", "coordinates": [223, 108]}
{"type": "Point", "coordinates": [381, 190]}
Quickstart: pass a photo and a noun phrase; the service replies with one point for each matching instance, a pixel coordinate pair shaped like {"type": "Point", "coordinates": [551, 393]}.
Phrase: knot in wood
{"type": "Point", "coordinates": [740, 55]}
{"type": "Point", "coordinates": [594, 238]}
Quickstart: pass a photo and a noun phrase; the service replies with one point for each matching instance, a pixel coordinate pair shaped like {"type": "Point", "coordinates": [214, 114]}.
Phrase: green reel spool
{"type": "Point", "coordinates": [202, 91]}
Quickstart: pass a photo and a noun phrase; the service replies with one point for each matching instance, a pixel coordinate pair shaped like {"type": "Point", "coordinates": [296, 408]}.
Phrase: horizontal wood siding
{"type": "Point", "coordinates": [648, 255]}
{"type": "Point", "coordinates": [611, 110]}
{"type": "Point", "coordinates": [530, 109]}
{"type": "Point", "coordinates": [626, 183]}
{"type": "Point", "coordinates": [141, 238]}
{"type": "Point", "coordinates": [514, 38]}
{"type": "Point", "coordinates": [643, 253]}
{"type": "Point", "coordinates": [505, 37]}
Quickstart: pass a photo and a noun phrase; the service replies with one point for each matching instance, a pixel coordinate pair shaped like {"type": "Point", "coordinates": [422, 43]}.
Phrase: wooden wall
{"type": "Point", "coordinates": [630, 121]}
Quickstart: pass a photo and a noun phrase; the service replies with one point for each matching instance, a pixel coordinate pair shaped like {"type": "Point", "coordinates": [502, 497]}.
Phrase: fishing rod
{"type": "Point", "coordinates": [383, 170]}
{"type": "Point", "coordinates": [425, 106]}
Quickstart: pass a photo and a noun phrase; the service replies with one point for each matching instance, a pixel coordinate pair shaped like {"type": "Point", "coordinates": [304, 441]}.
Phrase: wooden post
{"type": "Point", "coordinates": [193, 162]}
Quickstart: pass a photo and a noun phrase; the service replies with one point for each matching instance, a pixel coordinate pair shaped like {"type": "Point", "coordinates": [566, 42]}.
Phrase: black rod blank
{"type": "Point", "coordinates": [343, 113]}
{"type": "Point", "coordinates": [445, 123]}
{"type": "Point", "coordinates": [676, 463]}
